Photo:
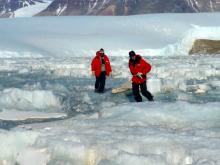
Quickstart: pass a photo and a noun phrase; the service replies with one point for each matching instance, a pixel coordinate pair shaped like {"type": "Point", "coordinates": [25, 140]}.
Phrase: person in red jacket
{"type": "Point", "coordinates": [139, 69]}
{"type": "Point", "coordinates": [101, 68]}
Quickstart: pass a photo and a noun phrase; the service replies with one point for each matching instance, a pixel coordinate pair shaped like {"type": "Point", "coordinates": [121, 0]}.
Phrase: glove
{"type": "Point", "coordinates": [109, 74]}
{"type": "Point", "coordinates": [139, 75]}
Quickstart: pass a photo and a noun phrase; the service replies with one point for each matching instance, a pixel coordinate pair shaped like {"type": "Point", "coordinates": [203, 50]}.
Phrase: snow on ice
{"type": "Point", "coordinates": [45, 73]}
{"type": "Point", "coordinates": [146, 133]}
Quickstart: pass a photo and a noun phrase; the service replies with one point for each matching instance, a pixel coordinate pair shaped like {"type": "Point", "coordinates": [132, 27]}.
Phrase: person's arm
{"type": "Point", "coordinates": [130, 67]}
{"type": "Point", "coordinates": [146, 67]}
{"type": "Point", "coordinates": [93, 66]}
{"type": "Point", "coordinates": [109, 66]}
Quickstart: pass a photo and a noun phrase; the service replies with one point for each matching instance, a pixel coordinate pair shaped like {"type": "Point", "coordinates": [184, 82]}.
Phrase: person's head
{"type": "Point", "coordinates": [132, 55]}
{"type": "Point", "coordinates": [102, 52]}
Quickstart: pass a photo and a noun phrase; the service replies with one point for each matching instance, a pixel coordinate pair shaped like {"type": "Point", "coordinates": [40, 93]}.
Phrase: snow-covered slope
{"type": "Point", "coordinates": [22, 8]}
{"type": "Point", "coordinates": [82, 36]}
{"type": "Point", "coordinates": [31, 10]}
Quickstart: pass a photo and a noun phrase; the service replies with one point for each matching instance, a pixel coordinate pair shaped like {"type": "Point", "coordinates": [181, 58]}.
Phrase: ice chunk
{"type": "Point", "coordinates": [14, 115]}
{"type": "Point", "coordinates": [154, 85]}
{"type": "Point", "coordinates": [13, 143]}
{"type": "Point", "coordinates": [33, 157]}
{"type": "Point", "coordinates": [42, 100]}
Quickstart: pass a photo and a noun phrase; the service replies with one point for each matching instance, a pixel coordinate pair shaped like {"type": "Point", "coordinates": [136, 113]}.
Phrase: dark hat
{"type": "Point", "coordinates": [101, 50]}
{"type": "Point", "coordinates": [131, 54]}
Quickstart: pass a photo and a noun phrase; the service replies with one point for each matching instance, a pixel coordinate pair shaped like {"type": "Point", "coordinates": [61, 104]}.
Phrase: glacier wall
{"type": "Point", "coordinates": [153, 34]}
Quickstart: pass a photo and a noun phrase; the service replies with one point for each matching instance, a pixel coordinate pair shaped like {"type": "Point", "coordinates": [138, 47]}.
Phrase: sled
{"type": "Point", "coordinates": [123, 88]}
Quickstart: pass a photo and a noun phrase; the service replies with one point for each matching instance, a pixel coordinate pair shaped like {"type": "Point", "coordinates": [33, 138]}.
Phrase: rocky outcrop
{"type": "Point", "coordinates": [128, 7]}
{"type": "Point", "coordinates": [112, 7]}
{"type": "Point", "coordinates": [204, 46]}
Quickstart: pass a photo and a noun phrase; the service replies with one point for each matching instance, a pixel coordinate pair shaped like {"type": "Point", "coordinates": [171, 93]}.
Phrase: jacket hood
{"type": "Point", "coordinates": [137, 60]}
{"type": "Point", "coordinates": [98, 53]}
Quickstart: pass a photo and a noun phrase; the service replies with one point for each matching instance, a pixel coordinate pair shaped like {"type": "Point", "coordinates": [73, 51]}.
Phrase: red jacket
{"type": "Point", "coordinates": [139, 65]}
{"type": "Point", "coordinates": [96, 64]}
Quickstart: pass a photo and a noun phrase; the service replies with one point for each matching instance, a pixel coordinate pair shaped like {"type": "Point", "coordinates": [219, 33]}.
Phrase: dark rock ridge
{"type": "Point", "coordinates": [112, 7]}
{"type": "Point", "coordinates": [128, 7]}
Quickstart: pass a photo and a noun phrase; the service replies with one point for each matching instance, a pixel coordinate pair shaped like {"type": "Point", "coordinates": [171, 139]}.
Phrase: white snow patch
{"type": "Point", "coordinates": [32, 10]}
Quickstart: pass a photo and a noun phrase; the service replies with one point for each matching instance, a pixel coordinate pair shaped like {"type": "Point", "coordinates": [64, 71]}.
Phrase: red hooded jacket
{"type": "Point", "coordinates": [139, 65]}
{"type": "Point", "coordinates": [96, 64]}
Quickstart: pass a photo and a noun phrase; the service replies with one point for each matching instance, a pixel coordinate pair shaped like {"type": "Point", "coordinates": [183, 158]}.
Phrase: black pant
{"type": "Point", "coordinates": [144, 91]}
{"type": "Point", "coordinates": [100, 82]}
